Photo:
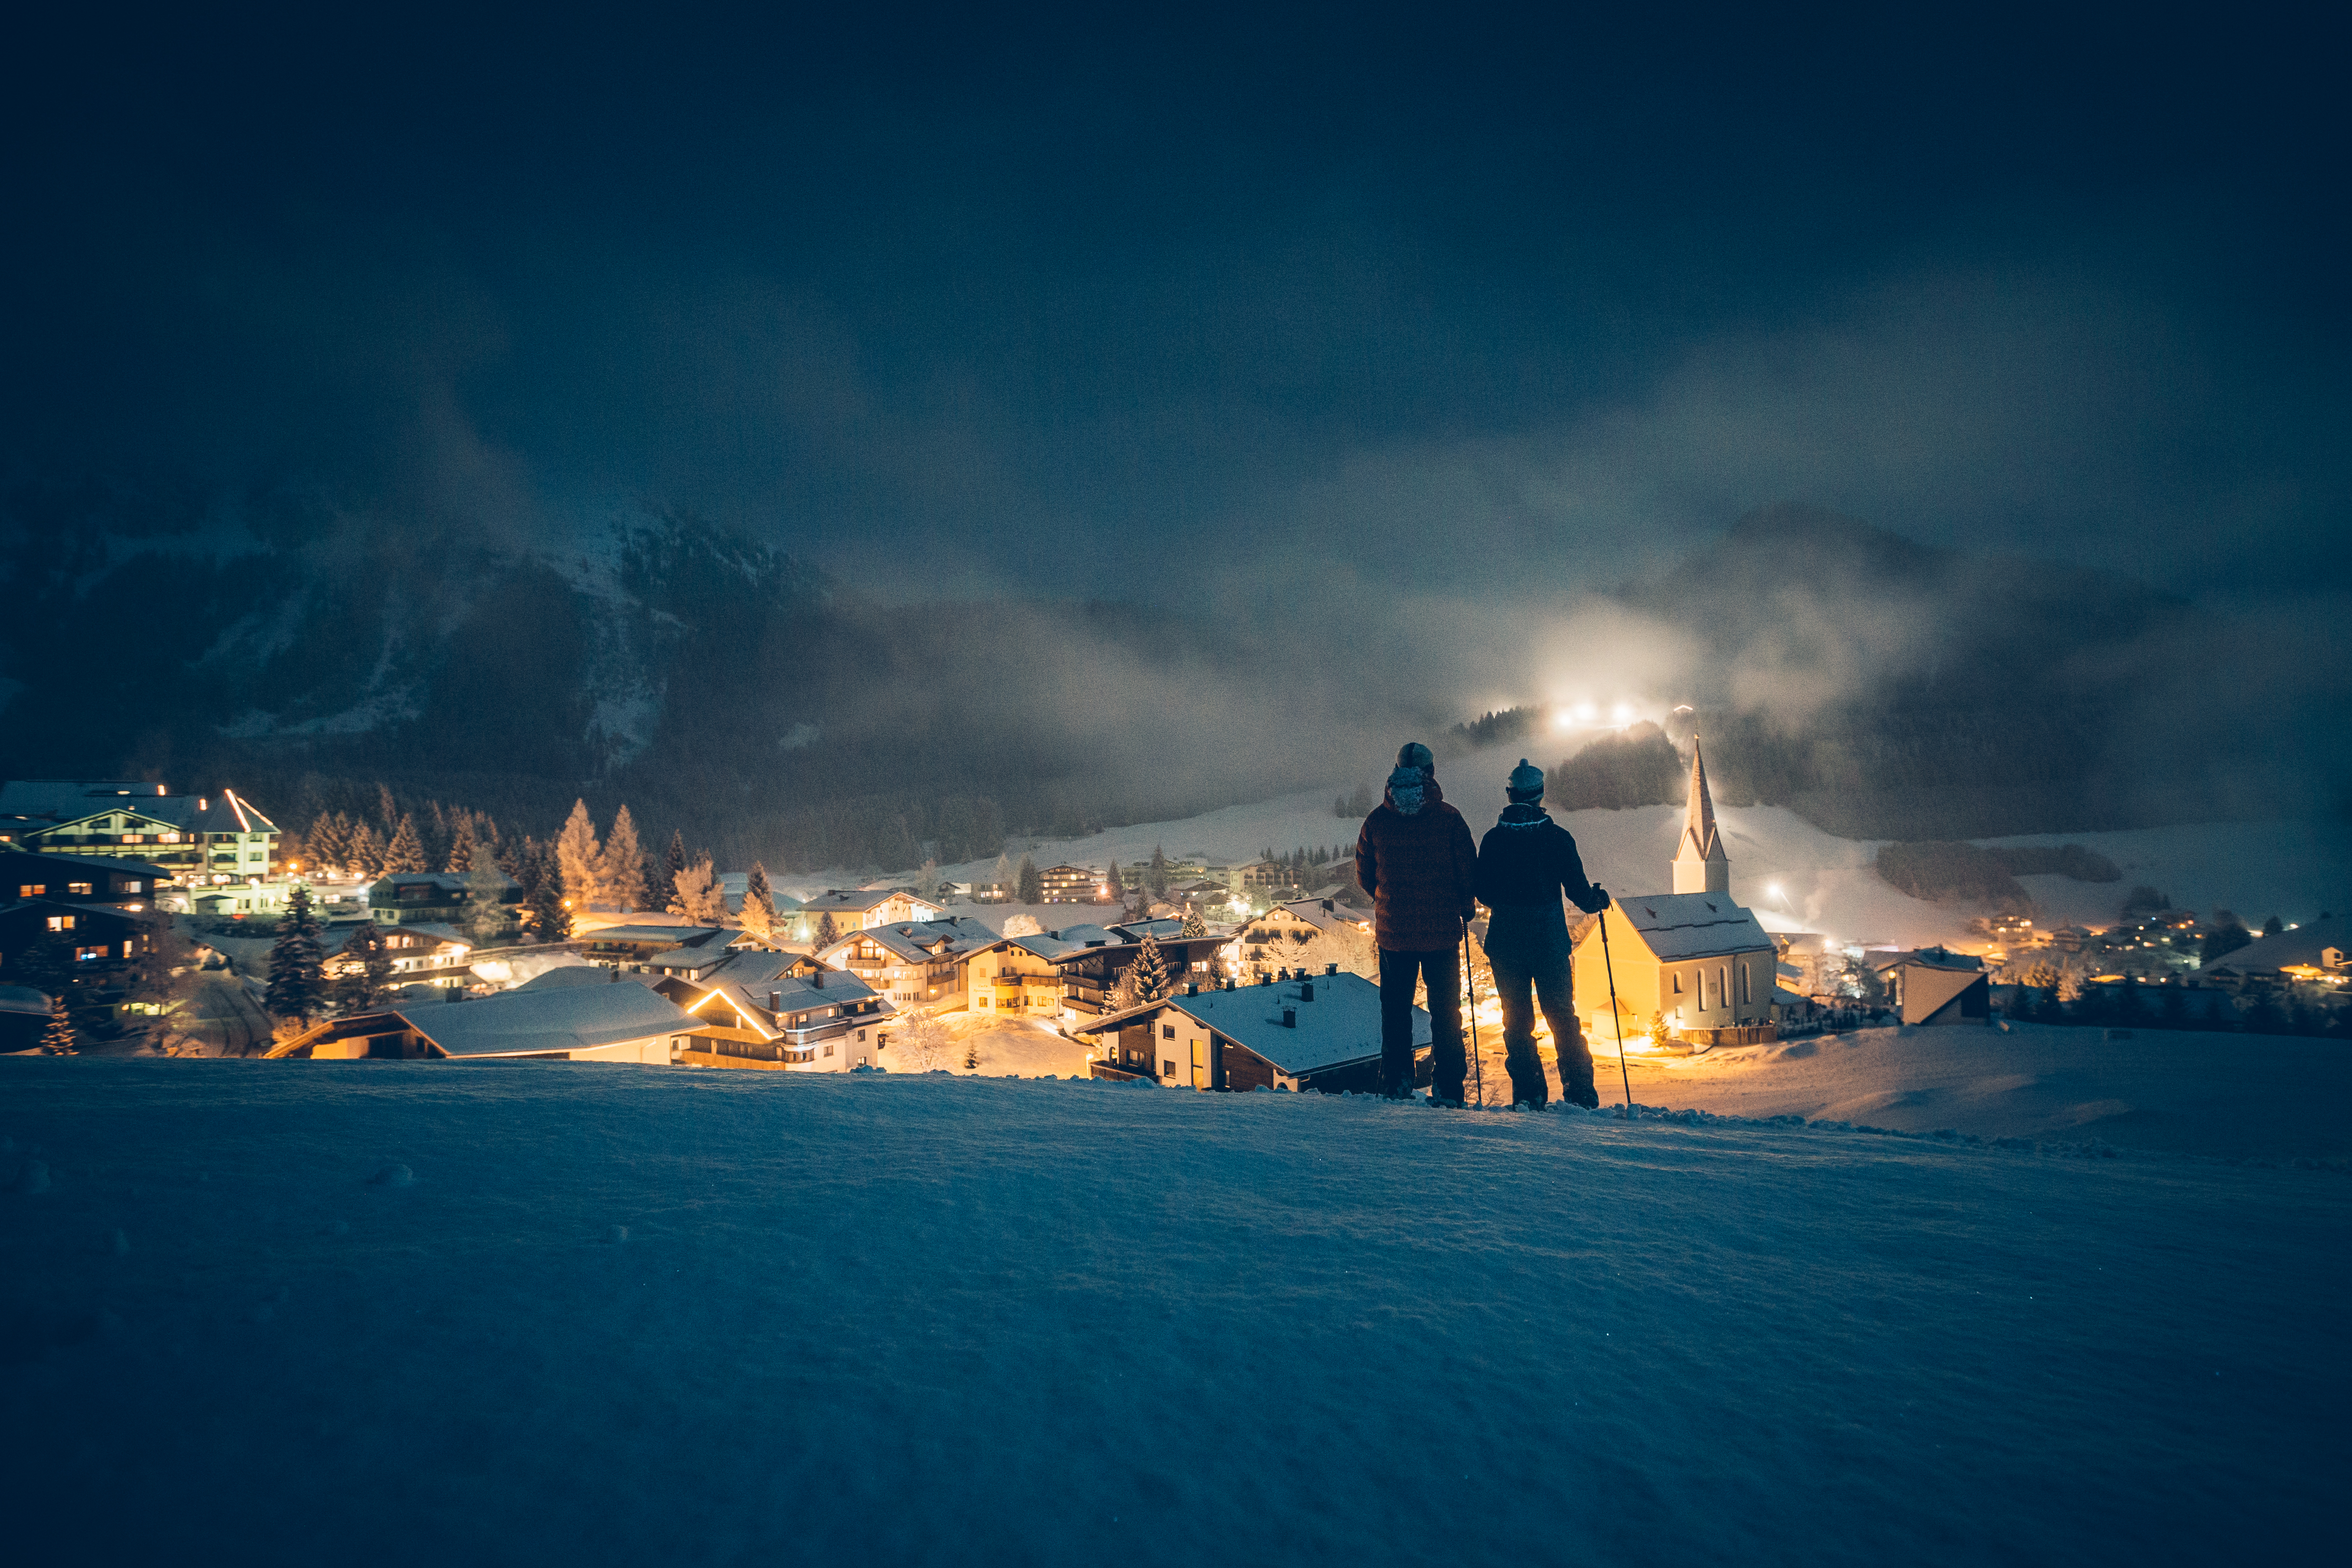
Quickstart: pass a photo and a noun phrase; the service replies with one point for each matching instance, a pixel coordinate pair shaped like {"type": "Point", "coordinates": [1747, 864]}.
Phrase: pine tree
{"type": "Point", "coordinates": [549, 920]}
{"type": "Point", "coordinates": [1031, 883]}
{"type": "Point", "coordinates": [621, 873]}
{"type": "Point", "coordinates": [927, 881]}
{"type": "Point", "coordinates": [1150, 972]}
{"type": "Point", "coordinates": [700, 897]}
{"type": "Point", "coordinates": [673, 862]}
{"type": "Point", "coordinates": [1003, 876]}
{"type": "Point", "coordinates": [1193, 925]}
{"type": "Point", "coordinates": [1112, 881]}
{"type": "Point", "coordinates": [1155, 881]}
{"type": "Point", "coordinates": [515, 859]}
{"type": "Point", "coordinates": [461, 845]}
{"type": "Point", "coordinates": [406, 851]}
{"type": "Point", "coordinates": [58, 1038]}
{"type": "Point", "coordinates": [365, 854]}
{"type": "Point", "coordinates": [365, 971]}
{"type": "Point", "coordinates": [577, 858]}
{"type": "Point", "coordinates": [759, 904]}
{"type": "Point", "coordinates": [296, 985]}
{"type": "Point", "coordinates": [387, 811]}
{"type": "Point", "coordinates": [486, 893]}
{"type": "Point", "coordinates": [826, 933]}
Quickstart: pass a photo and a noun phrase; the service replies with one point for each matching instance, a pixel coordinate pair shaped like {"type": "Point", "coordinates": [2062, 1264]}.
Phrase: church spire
{"type": "Point", "coordinates": [1700, 865]}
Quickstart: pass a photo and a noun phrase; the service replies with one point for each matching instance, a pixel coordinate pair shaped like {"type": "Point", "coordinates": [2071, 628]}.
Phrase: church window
{"type": "Point", "coordinates": [1743, 985]}
{"type": "Point", "coordinates": [1678, 983]}
{"type": "Point", "coordinates": [1722, 986]}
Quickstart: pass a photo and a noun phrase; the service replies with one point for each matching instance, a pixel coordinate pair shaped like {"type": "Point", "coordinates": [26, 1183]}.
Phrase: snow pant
{"type": "Point", "coordinates": [1555, 992]}
{"type": "Point", "coordinates": [1529, 951]}
{"type": "Point", "coordinates": [1449, 1064]}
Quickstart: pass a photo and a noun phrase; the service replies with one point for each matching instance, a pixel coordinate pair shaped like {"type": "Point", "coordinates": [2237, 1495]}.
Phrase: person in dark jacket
{"type": "Point", "coordinates": [1415, 858]}
{"type": "Point", "coordinates": [1526, 861]}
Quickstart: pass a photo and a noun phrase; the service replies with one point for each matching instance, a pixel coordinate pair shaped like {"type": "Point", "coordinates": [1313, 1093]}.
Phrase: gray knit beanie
{"type": "Point", "coordinates": [1526, 783]}
{"type": "Point", "coordinates": [1414, 754]}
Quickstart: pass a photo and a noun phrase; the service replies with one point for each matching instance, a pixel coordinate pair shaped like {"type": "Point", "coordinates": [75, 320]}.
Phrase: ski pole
{"type": "Point", "coordinates": [1470, 979]}
{"type": "Point", "coordinates": [1617, 1016]}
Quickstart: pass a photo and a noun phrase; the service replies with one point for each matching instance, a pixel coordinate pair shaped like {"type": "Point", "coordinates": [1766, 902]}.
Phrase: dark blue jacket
{"type": "Point", "coordinates": [1525, 863]}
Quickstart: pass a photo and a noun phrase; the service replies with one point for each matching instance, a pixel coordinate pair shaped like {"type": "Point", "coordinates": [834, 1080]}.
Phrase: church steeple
{"type": "Point", "coordinates": [1700, 865]}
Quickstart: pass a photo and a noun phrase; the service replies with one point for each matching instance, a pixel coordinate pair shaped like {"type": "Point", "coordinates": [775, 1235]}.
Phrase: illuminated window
{"type": "Point", "coordinates": [79, 889]}
{"type": "Point", "coordinates": [32, 889]}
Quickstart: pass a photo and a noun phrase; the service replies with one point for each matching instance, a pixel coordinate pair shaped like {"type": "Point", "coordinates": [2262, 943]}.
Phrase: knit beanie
{"type": "Point", "coordinates": [1414, 754]}
{"type": "Point", "coordinates": [1405, 786]}
{"type": "Point", "coordinates": [1526, 783]}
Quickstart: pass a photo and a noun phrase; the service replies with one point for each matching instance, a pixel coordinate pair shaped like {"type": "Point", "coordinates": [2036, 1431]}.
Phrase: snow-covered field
{"type": "Point", "coordinates": [1794, 875]}
{"type": "Point", "coordinates": [2227, 1096]}
{"type": "Point", "coordinates": [411, 1312]}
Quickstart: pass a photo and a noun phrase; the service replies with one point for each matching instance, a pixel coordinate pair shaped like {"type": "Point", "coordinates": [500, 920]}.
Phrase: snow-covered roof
{"type": "Point", "coordinates": [570, 975]}
{"type": "Point", "coordinates": [529, 1022]}
{"type": "Point", "coordinates": [919, 941]}
{"type": "Point", "coordinates": [2304, 944]}
{"type": "Point", "coordinates": [1341, 1025]}
{"type": "Point", "coordinates": [857, 901]}
{"type": "Point", "coordinates": [1677, 926]}
{"type": "Point", "coordinates": [433, 929]}
{"type": "Point", "coordinates": [677, 936]}
{"type": "Point", "coordinates": [22, 999]}
{"type": "Point", "coordinates": [63, 798]}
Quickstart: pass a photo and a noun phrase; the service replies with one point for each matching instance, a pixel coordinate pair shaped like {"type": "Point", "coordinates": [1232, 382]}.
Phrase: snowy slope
{"type": "Point", "coordinates": [612, 1314]}
{"type": "Point", "coordinates": [1794, 875]}
{"type": "Point", "coordinates": [2220, 1095]}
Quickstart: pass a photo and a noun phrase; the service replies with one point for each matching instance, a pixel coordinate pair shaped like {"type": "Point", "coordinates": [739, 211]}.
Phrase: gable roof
{"type": "Point", "coordinates": [1677, 926]}
{"type": "Point", "coordinates": [922, 941]}
{"type": "Point", "coordinates": [59, 798]}
{"type": "Point", "coordinates": [1340, 1026]}
{"type": "Point", "coordinates": [526, 1022]}
{"type": "Point", "coordinates": [857, 901]}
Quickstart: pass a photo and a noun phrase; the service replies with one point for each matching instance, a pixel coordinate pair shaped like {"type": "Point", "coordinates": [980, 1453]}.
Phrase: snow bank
{"type": "Point", "coordinates": [622, 1314]}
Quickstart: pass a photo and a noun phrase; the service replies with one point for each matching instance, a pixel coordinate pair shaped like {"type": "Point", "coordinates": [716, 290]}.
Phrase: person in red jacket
{"type": "Point", "coordinates": [1415, 858]}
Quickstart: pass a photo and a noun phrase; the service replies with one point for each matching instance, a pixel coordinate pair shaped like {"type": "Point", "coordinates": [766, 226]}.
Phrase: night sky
{"type": "Point", "coordinates": [1065, 301]}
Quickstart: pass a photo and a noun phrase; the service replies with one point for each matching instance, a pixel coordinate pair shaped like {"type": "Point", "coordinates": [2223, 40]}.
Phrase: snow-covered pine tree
{"type": "Point", "coordinates": [1193, 924]}
{"type": "Point", "coordinates": [515, 859]}
{"type": "Point", "coordinates": [406, 851]}
{"type": "Point", "coordinates": [1112, 880]}
{"type": "Point", "coordinates": [364, 971]}
{"type": "Point", "coordinates": [927, 881]}
{"type": "Point", "coordinates": [296, 987]}
{"type": "Point", "coordinates": [366, 853]}
{"type": "Point", "coordinates": [461, 844]}
{"type": "Point", "coordinates": [759, 904]}
{"type": "Point", "coordinates": [622, 875]}
{"type": "Point", "coordinates": [486, 890]}
{"type": "Point", "coordinates": [387, 811]}
{"type": "Point", "coordinates": [1150, 971]}
{"type": "Point", "coordinates": [1029, 883]}
{"type": "Point", "coordinates": [1001, 875]}
{"type": "Point", "coordinates": [826, 933]}
{"type": "Point", "coordinates": [673, 862]}
{"type": "Point", "coordinates": [1155, 880]}
{"type": "Point", "coordinates": [699, 898]}
{"type": "Point", "coordinates": [576, 858]}
{"type": "Point", "coordinates": [58, 1038]}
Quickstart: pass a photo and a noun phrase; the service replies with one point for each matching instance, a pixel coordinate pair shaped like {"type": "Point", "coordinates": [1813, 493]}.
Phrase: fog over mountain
{"type": "Point", "coordinates": [838, 437]}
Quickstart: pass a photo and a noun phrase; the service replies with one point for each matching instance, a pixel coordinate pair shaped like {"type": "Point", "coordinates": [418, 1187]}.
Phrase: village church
{"type": "Point", "coordinates": [1692, 959]}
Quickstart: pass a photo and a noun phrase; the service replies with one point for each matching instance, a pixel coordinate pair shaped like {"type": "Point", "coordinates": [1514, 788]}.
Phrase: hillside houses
{"type": "Point", "coordinates": [1314, 1031]}
{"type": "Point", "coordinates": [856, 909]}
{"type": "Point", "coordinates": [916, 964]}
{"type": "Point", "coordinates": [1070, 975]}
{"type": "Point", "coordinates": [625, 1022]}
{"type": "Point", "coordinates": [1305, 934]}
{"type": "Point", "coordinates": [199, 840]}
{"type": "Point", "coordinates": [781, 1011]}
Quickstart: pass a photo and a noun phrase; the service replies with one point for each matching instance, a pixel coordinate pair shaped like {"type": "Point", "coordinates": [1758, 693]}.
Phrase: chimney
{"type": "Point", "coordinates": [1193, 990]}
{"type": "Point", "coordinates": [775, 1001]}
{"type": "Point", "coordinates": [816, 979]}
{"type": "Point", "coordinates": [1330, 968]}
{"type": "Point", "coordinates": [1328, 907]}
{"type": "Point", "coordinates": [1307, 991]}
{"type": "Point", "coordinates": [1290, 1017]}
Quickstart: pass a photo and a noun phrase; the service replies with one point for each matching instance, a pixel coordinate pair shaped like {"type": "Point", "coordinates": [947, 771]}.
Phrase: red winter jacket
{"type": "Point", "coordinates": [1421, 872]}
